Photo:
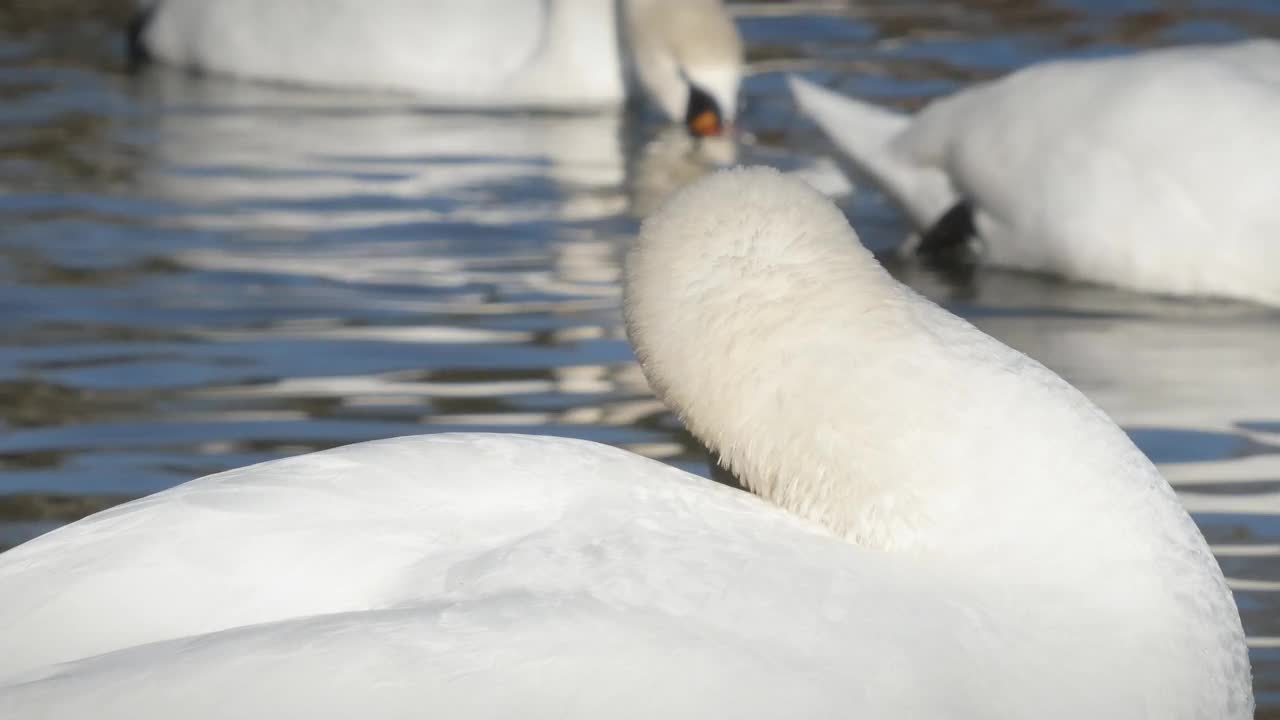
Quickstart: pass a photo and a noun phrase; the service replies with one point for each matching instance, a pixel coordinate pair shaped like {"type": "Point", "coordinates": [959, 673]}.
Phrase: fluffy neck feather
{"type": "Point", "coordinates": [837, 393]}
{"type": "Point", "coordinates": [745, 333]}
{"type": "Point", "coordinates": [846, 398]}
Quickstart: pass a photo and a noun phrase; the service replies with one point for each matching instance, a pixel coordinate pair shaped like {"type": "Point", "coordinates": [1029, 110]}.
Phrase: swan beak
{"type": "Point", "coordinates": [705, 124]}
{"type": "Point", "coordinates": [702, 114]}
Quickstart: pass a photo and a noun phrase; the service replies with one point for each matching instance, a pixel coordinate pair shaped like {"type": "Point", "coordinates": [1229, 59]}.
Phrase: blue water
{"type": "Point", "coordinates": [197, 274]}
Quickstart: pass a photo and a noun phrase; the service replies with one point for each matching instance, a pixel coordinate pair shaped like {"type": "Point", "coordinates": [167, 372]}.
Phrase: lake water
{"type": "Point", "coordinates": [197, 274]}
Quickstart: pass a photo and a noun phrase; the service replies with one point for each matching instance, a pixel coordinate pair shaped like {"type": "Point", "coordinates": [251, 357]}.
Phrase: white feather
{"type": "Point", "coordinates": [460, 53]}
{"type": "Point", "coordinates": [967, 536]}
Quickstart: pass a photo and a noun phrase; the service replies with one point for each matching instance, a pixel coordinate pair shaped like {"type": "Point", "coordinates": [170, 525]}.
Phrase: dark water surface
{"type": "Point", "coordinates": [197, 274]}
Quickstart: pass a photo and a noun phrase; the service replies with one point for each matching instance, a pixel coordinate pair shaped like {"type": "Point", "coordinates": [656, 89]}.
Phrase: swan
{"type": "Point", "coordinates": [941, 528]}
{"type": "Point", "coordinates": [1152, 171]}
{"type": "Point", "coordinates": [686, 54]}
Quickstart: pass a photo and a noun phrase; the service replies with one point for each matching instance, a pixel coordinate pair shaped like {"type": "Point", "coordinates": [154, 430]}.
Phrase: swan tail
{"type": "Point", "coordinates": [865, 133]}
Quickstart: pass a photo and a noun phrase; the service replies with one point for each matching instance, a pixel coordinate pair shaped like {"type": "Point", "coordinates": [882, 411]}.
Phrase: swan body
{"type": "Point", "coordinates": [462, 53]}
{"type": "Point", "coordinates": [1151, 171]}
{"type": "Point", "coordinates": [941, 528]}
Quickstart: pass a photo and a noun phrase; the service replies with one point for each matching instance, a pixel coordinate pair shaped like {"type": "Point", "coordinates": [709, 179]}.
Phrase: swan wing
{"type": "Point", "coordinates": [446, 48]}
{"type": "Point", "coordinates": [420, 574]}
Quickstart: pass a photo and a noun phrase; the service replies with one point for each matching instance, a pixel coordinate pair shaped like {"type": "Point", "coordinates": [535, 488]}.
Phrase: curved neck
{"type": "Point", "coordinates": [844, 397]}
{"type": "Point", "coordinates": [837, 393]}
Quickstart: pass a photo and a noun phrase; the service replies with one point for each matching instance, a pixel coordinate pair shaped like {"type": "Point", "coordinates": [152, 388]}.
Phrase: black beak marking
{"type": "Point", "coordinates": [700, 103]}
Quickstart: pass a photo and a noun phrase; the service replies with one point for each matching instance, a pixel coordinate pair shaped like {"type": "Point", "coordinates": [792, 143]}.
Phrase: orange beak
{"type": "Point", "coordinates": [705, 123]}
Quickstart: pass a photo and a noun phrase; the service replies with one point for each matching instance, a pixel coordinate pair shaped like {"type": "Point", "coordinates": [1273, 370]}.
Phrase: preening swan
{"type": "Point", "coordinates": [944, 529]}
{"type": "Point", "coordinates": [1153, 171]}
{"type": "Point", "coordinates": [686, 54]}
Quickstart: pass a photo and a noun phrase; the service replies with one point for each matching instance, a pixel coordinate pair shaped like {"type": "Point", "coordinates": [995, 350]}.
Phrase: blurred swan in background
{"type": "Point", "coordinates": [671, 160]}
{"type": "Point", "coordinates": [1153, 171]}
{"type": "Point", "coordinates": [685, 54]}
{"type": "Point", "coordinates": [252, 157]}
{"type": "Point", "coordinates": [897, 563]}
{"type": "Point", "coordinates": [245, 156]}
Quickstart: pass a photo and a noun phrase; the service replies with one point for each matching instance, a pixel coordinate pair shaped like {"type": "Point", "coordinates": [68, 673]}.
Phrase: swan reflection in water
{"type": "Point", "coordinates": [442, 269]}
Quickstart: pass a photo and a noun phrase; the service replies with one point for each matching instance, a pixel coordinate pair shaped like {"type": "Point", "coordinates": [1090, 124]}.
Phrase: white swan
{"type": "Point", "coordinates": [1153, 171]}
{"type": "Point", "coordinates": [467, 53]}
{"type": "Point", "coordinates": [968, 536]}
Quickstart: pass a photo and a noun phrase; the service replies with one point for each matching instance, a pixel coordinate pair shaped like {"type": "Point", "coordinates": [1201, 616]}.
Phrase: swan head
{"type": "Point", "coordinates": [687, 55]}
